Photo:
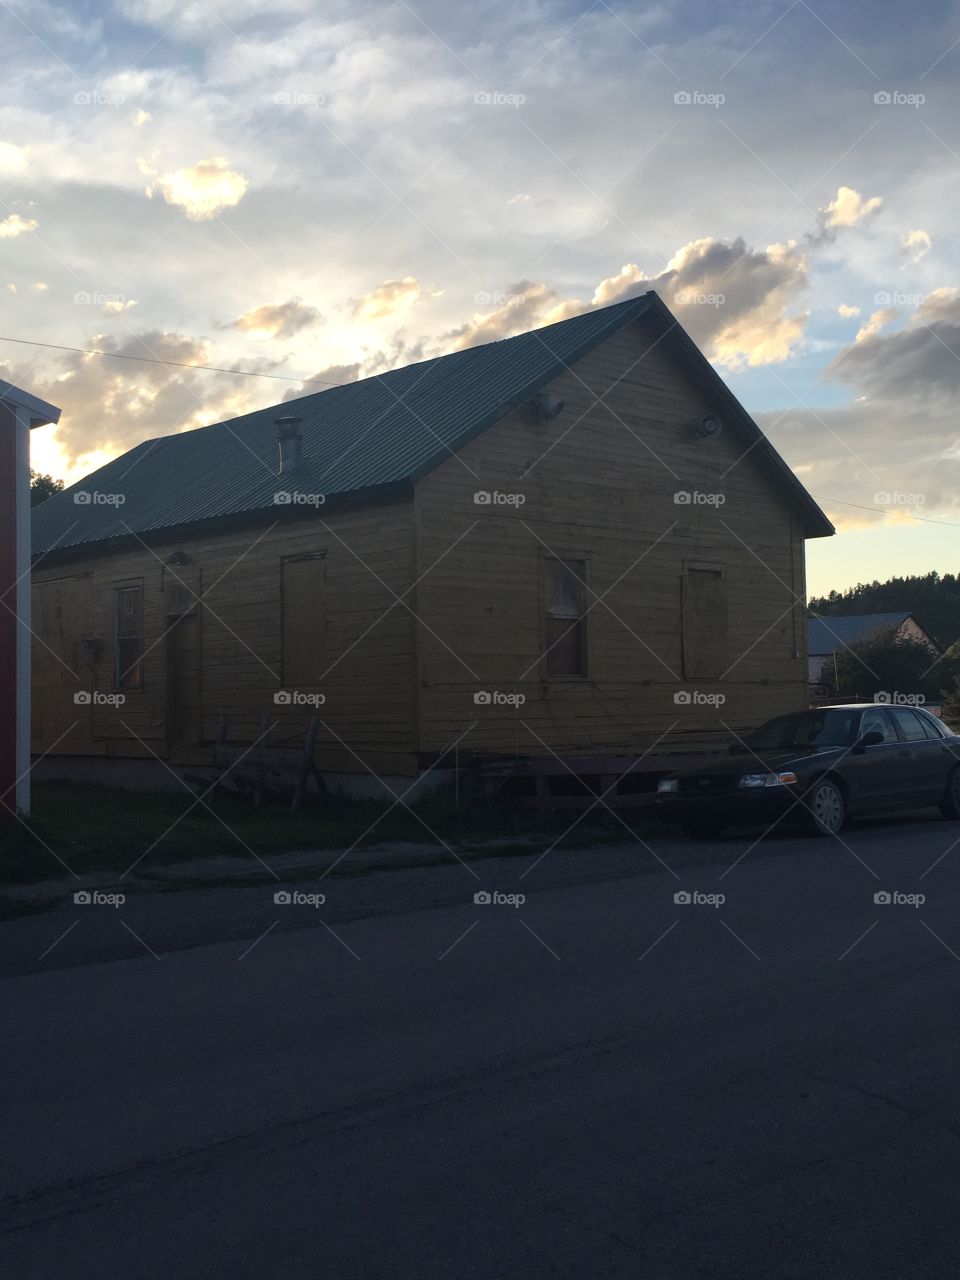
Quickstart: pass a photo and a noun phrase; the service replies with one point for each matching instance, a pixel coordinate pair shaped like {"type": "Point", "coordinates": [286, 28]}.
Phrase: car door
{"type": "Point", "coordinates": [930, 759]}
{"type": "Point", "coordinates": [880, 776]}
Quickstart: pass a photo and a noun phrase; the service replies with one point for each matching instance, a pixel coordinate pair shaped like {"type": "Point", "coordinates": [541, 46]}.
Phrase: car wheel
{"type": "Point", "coordinates": [702, 829]}
{"type": "Point", "coordinates": [826, 810]}
{"type": "Point", "coordinates": [950, 804]}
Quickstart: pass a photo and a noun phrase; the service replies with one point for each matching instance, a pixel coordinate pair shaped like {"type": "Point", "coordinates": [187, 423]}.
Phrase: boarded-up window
{"type": "Point", "coordinates": [63, 659]}
{"type": "Point", "coordinates": [704, 623]}
{"type": "Point", "coordinates": [128, 637]}
{"type": "Point", "coordinates": [302, 622]}
{"type": "Point", "coordinates": [566, 637]}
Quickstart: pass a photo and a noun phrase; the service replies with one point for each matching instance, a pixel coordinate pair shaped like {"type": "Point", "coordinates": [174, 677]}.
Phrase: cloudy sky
{"type": "Point", "coordinates": [323, 192]}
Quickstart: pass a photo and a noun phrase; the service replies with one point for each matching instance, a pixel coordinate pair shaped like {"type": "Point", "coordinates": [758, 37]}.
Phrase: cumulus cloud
{"type": "Point", "coordinates": [15, 226]}
{"type": "Point", "coordinates": [392, 355]}
{"type": "Point", "coordinates": [916, 244]}
{"type": "Point", "coordinates": [277, 320]}
{"type": "Point", "coordinates": [335, 375]}
{"type": "Point", "coordinates": [110, 405]}
{"type": "Point", "coordinates": [896, 445]}
{"type": "Point", "coordinates": [849, 208]}
{"type": "Point", "coordinates": [203, 190]}
{"type": "Point", "coordinates": [878, 320]}
{"type": "Point", "coordinates": [738, 303]}
{"type": "Point", "coordinates": [847, 312]}
{"type": "Point", "coordinates": [921, 361]}
{"type": "Point", "coordinates": [617, 288]}
{"type": "Point", "coordinates": [526, 304]}
{"type": "Point", "coordinates": [387, 298]}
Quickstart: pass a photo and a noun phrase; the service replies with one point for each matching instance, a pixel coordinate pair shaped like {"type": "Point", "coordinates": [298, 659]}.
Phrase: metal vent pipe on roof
{"type": "Point", "coordinates": [290, 440]}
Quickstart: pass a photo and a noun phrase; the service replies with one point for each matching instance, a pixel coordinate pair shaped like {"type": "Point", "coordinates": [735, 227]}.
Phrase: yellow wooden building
{"type": "Point", "coordinates": [572, 541]}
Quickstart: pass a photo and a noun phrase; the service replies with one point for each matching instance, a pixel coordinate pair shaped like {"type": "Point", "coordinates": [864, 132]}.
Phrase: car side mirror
{"type": "Point", "coordinates": [871, 739]}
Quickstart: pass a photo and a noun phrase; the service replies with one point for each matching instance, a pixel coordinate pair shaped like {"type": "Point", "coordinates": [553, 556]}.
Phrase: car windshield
{"type": "Point", "coordinates": [828, 728]}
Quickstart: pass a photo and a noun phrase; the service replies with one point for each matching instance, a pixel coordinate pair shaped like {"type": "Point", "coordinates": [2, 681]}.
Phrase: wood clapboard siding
{"type": "Point", "coordinates": [365, 639]}
{"type": "Point", "coordinates": [598, 484]}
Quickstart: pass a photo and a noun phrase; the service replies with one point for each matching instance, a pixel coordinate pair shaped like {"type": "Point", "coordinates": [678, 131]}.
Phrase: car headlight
{"type": "Point", "coordinates": [667, 786]}
{"type": "Point", "coordinates": [754, 780]}
{"type": "Point", "coordinates": [751, 780]}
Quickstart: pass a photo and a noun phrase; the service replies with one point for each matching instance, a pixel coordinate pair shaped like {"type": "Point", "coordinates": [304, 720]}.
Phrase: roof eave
{"type": "Point", "coordinates": [40, 413]}
{"type": "Point", "coordinates": [398, 490]}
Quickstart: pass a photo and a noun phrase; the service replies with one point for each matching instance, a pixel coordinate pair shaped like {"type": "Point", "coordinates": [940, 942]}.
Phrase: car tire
{"type": "Point", "coordinates": [950, 804]}
{"type": "Point", "coordinates": [825, 810]}
{"type": "Point", "coordinates": [701, 828]}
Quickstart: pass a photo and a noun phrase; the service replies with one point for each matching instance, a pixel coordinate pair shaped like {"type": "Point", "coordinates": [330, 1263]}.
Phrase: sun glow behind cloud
{"type": "Point", "coordinates": [330, 192]}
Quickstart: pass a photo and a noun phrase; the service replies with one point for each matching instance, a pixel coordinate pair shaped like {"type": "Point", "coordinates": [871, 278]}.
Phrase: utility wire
{"type": "Point", "coordinates": [952, 524]}
{"type": "Point", "coordinates": [174, 364]}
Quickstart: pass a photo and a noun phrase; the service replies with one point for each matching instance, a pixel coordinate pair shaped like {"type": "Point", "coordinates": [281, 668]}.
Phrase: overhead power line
{"type": "Point", "coordinates": [885, 511]}
{"type": "Point", "coordinates": [173, 364]}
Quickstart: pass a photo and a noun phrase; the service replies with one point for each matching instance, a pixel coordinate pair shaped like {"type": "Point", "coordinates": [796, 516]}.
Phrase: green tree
{"type": "Point", "coordinates": [886, 665]}
{"type": "Point", "coordinates": [43, 487]}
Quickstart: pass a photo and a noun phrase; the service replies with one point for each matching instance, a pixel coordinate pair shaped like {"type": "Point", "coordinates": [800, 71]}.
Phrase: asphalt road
{"type": "Point", "coordinates": [599, 1081]}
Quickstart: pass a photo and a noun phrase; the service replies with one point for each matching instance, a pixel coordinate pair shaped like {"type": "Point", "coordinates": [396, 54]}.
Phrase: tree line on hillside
{"type": "Point", "coordinates": [933, 599]}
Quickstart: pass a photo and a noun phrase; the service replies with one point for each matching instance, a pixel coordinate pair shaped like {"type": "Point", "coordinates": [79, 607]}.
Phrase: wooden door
{"type": "Point", "coordinates": [64, 664]}
{"type": "Point", "coordinates": [704, 621]}
{"type": "Point", "coordinates": [183, 681]}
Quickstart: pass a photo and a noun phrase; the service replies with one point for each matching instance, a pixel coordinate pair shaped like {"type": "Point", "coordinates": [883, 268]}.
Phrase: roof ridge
{"type": "Point", "coordinates": [377, 434]}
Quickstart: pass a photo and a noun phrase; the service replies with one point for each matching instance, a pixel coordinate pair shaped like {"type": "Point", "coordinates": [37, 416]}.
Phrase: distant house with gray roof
{"type": "Point", "coordinates": [830, 636]}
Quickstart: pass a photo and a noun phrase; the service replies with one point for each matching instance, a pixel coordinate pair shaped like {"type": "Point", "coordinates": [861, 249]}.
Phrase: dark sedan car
{"type": "Point", "coordinates": [819, 767]}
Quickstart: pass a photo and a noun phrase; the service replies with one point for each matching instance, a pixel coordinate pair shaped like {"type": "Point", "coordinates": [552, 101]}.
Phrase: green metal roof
{"type": "Point", "coordinates": [361, 436]}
